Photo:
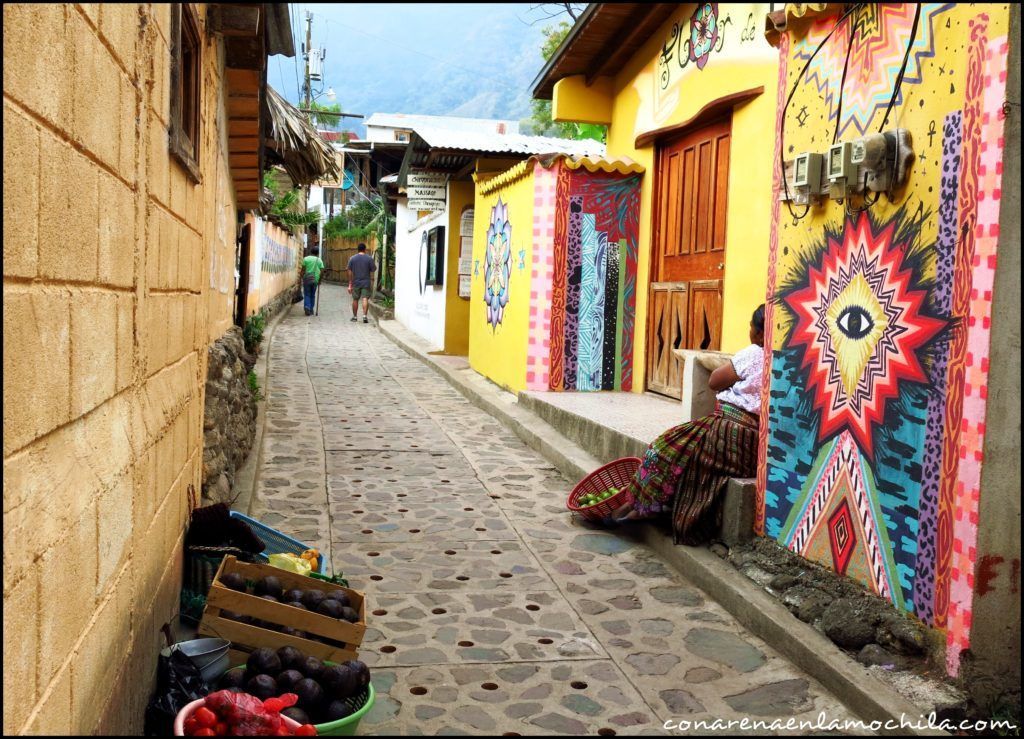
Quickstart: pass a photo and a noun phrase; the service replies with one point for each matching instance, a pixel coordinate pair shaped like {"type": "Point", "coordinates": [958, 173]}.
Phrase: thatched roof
{"type": "Point", "coordinates": [293, 143]}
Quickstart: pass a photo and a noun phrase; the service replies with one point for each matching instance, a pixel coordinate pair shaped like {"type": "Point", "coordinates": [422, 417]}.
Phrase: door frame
{"type": "Point", "coordinates": [242, 293]}
{"type": "Point", "coordinates": [714, 115]}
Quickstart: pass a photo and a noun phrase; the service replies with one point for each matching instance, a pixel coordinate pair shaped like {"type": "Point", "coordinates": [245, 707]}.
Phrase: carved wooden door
{"type": "Point", "coordinates": [688, 250]}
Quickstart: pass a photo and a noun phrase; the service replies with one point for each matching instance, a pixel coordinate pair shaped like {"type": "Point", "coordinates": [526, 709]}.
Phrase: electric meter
{"type": "Point", "coordinates": [807, 171]}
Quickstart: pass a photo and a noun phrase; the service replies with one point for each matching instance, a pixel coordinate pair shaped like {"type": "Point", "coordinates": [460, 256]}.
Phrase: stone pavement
{"type": "Point", "coordinates": [491, 610]}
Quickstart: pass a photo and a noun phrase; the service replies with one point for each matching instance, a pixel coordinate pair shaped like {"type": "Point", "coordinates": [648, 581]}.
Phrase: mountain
{"type": "Point", "coordinates": [472, 60]}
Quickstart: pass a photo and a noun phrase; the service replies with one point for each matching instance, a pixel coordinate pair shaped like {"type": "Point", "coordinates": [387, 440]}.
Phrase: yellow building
{"type": "Point", "coordinates": [554, 276]}
{"type": "Point", "coordinates": [434, 243]}
{"type": "Point", "coordinates": [131, 142]}
{"type": "Point", "coordinates": [688, 93]}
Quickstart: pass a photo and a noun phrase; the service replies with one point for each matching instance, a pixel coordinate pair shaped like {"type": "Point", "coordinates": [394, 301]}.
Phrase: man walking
{"type": "Point", "coordinates": [312, 266]}
{"type": "Point", "coordinates": [360, 281]}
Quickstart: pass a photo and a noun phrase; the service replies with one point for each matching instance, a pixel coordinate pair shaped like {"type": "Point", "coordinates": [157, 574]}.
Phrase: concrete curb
{"type": "Point", "coordinates": [248, 474]}
{"type": "Point", "coordinates": [863, 694]}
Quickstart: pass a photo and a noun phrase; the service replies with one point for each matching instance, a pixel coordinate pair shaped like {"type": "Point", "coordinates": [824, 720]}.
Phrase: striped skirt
{"type": "Point", "coordinates": [686, 469]}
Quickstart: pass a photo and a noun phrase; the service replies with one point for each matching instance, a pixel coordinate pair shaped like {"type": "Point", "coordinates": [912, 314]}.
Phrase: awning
{"type": "Point", "coordinates": [293, 143]}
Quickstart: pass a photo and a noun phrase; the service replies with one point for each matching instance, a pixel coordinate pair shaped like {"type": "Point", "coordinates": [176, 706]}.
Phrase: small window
{"type": "Point", "coordinates": [185, 87]}
{"type": "Point", "coordinates": [402, 136]}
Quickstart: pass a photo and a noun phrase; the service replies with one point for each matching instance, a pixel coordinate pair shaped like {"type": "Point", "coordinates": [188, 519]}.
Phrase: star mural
{"type": "Point", "coordinates": [859, 324]}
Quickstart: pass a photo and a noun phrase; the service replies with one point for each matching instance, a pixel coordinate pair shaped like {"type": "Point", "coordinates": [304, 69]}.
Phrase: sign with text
{"type": "Point", "coordinates": [426, 191]}
{"type": "Point", "coordinates": [465, 285]}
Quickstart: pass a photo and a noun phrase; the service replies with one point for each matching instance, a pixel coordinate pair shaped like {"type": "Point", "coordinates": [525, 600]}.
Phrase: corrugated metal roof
{"type": "Point", "coordinates": [494, 143]}
{"type": "Point", "coordinates": [454, 123]}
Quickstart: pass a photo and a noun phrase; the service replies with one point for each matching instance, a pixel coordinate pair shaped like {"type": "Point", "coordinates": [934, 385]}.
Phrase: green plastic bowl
{"type": "Point", "coordinates": [344, 726]}
{"type": "Point", "coordinates": [350, 724]}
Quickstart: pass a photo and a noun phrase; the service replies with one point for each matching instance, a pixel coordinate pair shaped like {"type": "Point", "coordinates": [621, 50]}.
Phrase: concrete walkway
{"type": "Point", "coordinates": [491, 610]}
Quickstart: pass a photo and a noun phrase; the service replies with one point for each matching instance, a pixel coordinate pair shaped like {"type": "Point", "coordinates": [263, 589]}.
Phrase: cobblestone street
{"type": "Point", "coordinates": [490, 610]}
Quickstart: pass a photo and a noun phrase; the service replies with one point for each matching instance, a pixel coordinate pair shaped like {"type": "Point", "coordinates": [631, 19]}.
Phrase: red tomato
{"type": "Point", "coordinates": [191, 726]}
{"type": "Point", "coordinates": [306, 730]}
{"type": "Point", "coordinates": [205, 717]}
{"type": "Point", "coordinates": [283, 730]}
{"type": "Point", "coordinates": [221, 729]}
{"type": "Point", "coordinates": [205, 731]}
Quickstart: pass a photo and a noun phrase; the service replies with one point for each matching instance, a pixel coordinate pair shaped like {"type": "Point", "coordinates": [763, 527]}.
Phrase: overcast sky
{"type": "Point", "coordinates": [443, 59]}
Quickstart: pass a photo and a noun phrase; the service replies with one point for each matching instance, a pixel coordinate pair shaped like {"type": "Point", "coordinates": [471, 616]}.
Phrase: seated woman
{"type": "Point", "coordinates": [686, 469]}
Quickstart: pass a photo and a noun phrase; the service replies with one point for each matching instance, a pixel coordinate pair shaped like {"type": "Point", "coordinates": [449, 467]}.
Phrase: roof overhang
{"type": "Point", "coordinates": [251, 32]}
{"type": "Point", "coordinates": [603, 39]}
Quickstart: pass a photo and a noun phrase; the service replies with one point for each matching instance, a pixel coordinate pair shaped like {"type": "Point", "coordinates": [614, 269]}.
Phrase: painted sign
{"type": "Point", "coordinates": [426, 191]}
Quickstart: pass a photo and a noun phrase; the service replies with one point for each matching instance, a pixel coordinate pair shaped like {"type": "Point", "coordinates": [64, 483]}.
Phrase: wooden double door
{"type": "Point", "coordinates": [688, 250]}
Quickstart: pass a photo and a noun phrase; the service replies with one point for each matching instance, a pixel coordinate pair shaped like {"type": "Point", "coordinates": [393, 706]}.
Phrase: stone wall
{"type": "Point", "coordinates": [229, 419]}
{"type": "Point", "coordinates": [117, 272]}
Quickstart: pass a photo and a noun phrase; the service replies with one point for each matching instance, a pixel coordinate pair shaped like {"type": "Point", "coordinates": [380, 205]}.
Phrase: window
{"type": "Point", "coordinates": [185, 87]}
{"type": "Point", "coordinates": [402, 136]}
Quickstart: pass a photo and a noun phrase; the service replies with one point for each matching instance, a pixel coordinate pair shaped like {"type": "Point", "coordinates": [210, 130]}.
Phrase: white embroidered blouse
{"type": "Point", "coordinates": [746, 394]}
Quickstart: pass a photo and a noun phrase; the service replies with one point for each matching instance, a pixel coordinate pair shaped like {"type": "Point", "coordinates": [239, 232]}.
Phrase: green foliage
{"type": "Point", "coordinates": [254, 386]}
{"type": "Point", "coordinates": [287, 210]}
{"type": "Point", "coordinates": [541, 123]}
{"type": "Point", "coordinates": [252, 331]}
{"type": "Point", "coordinates": [357, 222]}
{"type": "Point", "coordinates": [320, 115]}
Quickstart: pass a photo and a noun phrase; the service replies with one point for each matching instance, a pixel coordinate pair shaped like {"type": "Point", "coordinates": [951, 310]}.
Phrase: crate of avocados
{"type": "Point", "coordinates": [249, 605]}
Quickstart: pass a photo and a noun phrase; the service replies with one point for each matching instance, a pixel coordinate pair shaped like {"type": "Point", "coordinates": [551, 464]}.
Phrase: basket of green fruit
{"type": "Point", "coordinates": [598, 494]}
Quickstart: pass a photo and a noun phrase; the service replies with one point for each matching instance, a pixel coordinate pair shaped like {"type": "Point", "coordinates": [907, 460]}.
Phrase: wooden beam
{"type": "Point", "coordinates": [244, 52]}
{"type": "Point", "coordinates": [229, 19]}
{"type": "Point", "coordinates": [616, 47]}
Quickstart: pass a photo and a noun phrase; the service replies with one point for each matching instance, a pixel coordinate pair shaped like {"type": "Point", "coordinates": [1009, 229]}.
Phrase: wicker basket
{"type": "Point", "coordinates": [617, 474]}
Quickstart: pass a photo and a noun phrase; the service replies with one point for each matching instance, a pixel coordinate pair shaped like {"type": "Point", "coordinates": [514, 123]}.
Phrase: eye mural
{"type": "Point", "coordinates": [497, 266]}
{"type": "Point", "coordinates": [860, 324]}
{"type": "Point", "coordinates": [863, 328]}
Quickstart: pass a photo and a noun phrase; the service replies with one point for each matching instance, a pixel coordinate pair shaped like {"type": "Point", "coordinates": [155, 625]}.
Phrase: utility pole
{"type": "Point", "coordinates": [308, 94]}
{"type": "Point", "coordinates": [309, 33]}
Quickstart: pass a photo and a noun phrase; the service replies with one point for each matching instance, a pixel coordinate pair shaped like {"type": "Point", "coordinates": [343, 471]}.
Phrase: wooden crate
{"type": "Point", "coordinates": [245, 637]}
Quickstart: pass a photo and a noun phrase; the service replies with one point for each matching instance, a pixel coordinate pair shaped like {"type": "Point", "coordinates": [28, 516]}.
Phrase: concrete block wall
{"type": "Point", "coordinates": [118, 272]}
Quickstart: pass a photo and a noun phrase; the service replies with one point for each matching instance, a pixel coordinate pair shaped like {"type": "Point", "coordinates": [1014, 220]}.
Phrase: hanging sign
{"type": "Point", "coordinates": [426, 191]}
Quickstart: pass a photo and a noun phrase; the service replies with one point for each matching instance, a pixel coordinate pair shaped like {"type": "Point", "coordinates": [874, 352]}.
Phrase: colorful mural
{"type": "Point", "coordinates": [878, 323]}
{"type": "Point", "coordinates": [497, 267]}
{"type": "Point", "coordinates": [582, 266]}
{"type": "Point", "coordinates": [594, 282]}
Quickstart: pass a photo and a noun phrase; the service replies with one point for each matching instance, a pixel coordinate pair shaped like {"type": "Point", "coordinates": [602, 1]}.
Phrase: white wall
{"type": "Point", "coordinates": [423, 314]}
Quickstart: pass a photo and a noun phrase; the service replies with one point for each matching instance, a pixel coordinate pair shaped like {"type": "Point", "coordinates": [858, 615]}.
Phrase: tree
{"type": "Point", "coordinates": [541, 123]}
{"type": "Point", "coordinates": [324, 116]}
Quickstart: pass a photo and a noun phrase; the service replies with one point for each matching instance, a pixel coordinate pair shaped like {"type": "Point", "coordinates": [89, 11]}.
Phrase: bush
{"type": "Point", "coordinates": [254, 386]}
{"type": "Point", "coordinates": [252, 332]}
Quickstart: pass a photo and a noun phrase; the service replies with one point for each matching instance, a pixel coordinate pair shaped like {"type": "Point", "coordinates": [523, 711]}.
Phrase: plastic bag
{"type": "Point", "coordinates": [178, 683]}
{"type": "Point", "coordinates": [247, 715]}
{"type": "Point", "coordinates": [291, 563]}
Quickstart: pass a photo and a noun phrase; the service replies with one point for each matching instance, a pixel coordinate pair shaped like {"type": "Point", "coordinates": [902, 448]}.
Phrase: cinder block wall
{"type": "Point", "coordinates": [117, 273]}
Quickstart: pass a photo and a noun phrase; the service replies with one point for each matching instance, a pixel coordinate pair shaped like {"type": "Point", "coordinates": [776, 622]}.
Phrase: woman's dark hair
{"type": "Point", "coordinates": [312, 250]}
{"type": "Point", "coordinates": [758, 318]}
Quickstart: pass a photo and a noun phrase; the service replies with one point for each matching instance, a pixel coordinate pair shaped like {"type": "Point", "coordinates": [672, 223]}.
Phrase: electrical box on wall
{"type": "Point", "coordinates": [842, 172]}
{"type": "Point", "coordinates": [807, 171]}
{"type": "Point", "coordinates": [435, 256]}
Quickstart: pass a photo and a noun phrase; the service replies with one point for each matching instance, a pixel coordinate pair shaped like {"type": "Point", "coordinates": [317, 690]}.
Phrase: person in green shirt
{"type": "Point", "coordinates": [312, 267]}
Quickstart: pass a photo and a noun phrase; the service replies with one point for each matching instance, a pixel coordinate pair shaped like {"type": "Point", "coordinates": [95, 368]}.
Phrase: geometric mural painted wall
{"type": "Point", "coordinates": [573, 226]}
{"type": "Point", "coordinates": [593, 302]}
{"type": "Point", "coordinates": [878, 324]}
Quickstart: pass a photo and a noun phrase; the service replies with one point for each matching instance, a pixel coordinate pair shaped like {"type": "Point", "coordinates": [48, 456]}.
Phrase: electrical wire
{"type": "Point", "coordinates": [903, 67]}
{"type": "Point", "coordinates": [782, 125]}
{"type": "Point", "coordinates": [842, 83]}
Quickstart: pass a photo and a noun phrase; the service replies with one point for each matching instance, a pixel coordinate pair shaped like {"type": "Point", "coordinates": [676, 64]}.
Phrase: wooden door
{"type": "Point", "coordinates": [688, 249]}
{"type": "Point", "coordinates": [669, 306]}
